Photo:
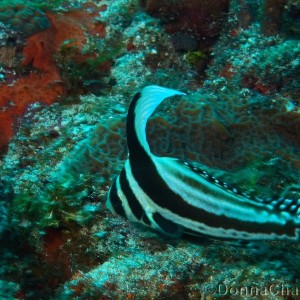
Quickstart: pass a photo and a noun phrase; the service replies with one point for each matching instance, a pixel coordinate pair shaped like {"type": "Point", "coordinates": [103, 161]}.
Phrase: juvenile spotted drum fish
{"type": "Point", "coordinates": [174, 197]}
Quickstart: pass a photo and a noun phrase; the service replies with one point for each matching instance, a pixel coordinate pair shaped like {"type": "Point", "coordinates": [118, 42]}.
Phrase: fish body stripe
{"type": "Point", "coordinates": [134, 204]}
{"type": "Point", "coordinates": [135, 207]}
{"type": "Point", "coordinates": [122, 201]}
{"type": "Point", "coordinates": [115, 203]}
{"type": "Point", "coordinates": [175, 198]}
{"type": "Point", "coordinates": [161, 196]}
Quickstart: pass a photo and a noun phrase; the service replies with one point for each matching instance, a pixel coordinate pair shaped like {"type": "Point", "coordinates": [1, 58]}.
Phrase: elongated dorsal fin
{"type": "Point", "coordinates": [141, 108]}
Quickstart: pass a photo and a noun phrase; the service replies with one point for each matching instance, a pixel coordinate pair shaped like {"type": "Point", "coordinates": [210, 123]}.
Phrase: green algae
{"type": "Point", "coordinates": [194, 57]}
{"type": "Point", "coordinates": [92, 73]}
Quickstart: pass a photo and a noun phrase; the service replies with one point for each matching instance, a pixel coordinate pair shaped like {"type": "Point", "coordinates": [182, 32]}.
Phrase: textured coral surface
{"type": "Point", "coordinates": [240, 122]}
{"type": "Point", "coordinates": [23, 18]}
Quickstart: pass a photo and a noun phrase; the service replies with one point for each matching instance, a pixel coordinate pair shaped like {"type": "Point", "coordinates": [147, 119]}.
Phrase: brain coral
{"type": "Point", "coordinates": [253, 136]}
{"type": "Point", "coordinates": [246, 135]}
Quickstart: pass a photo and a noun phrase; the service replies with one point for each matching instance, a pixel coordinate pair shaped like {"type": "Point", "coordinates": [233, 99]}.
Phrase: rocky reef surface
{"type": "Point", "coordinates": [66, 83]}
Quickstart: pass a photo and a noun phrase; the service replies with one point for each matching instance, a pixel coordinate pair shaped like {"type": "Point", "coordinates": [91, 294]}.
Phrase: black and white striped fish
{"type": "Point", "coordinates": [175, 198]}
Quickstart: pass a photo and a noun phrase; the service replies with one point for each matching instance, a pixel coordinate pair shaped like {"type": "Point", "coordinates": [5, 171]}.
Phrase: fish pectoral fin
{"type": "Point", "coordinates": [253, 246]}
{"type": "Point", "coordinates": [165, 226]}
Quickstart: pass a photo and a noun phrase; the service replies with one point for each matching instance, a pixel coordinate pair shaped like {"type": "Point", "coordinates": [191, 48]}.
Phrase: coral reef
{"type": "Point", "coordinates": [273, 10]}
{"type": "Point", "coordinates": [194, 25]}
{"type": "Point", "coordinates": [3, 218]}
{"type": "Point", "coordinates": [240, 122]}
{"type": "Point", "coordinates": [200, 19]}
{"type": "Point", "coordinates": [274, 16]}
{"type": "Point", "coordinates": [44, 82]}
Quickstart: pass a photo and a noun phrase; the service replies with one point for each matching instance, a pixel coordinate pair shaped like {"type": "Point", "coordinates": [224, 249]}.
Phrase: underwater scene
{"type": "Point", "coordinates": [150, 149]}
